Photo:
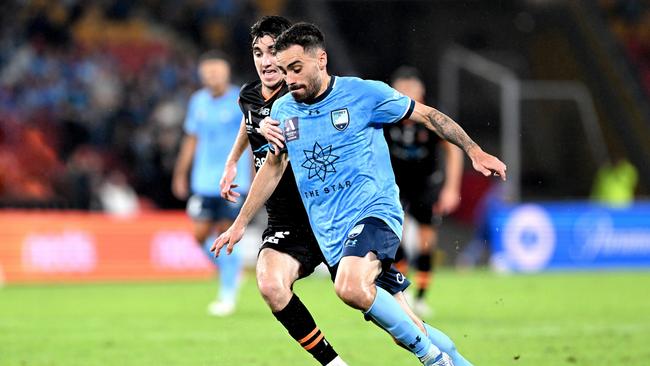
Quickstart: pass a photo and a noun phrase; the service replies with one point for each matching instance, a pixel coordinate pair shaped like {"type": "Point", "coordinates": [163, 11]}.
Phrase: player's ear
{"type": "Point", "coordinates": [322, 59]}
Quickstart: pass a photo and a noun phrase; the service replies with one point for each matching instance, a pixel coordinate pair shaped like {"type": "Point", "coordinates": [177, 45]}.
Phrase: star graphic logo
{"type": "Point", "coordinates": [320, 161]}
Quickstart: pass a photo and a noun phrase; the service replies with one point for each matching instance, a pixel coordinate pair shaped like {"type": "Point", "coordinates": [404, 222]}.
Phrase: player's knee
{"type": "Point", "coordinates": [275, 292]}
{"type": "Point", "coordinates": [353, 293]}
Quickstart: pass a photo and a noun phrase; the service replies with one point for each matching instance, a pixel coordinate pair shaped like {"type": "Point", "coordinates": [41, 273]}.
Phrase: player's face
{"type": "Point", "coordinates": [412, 88]}
{"type": "Point", "coordinates": [215, 74]}
{"type": "Point", "coordinates": [265, 63]}
{"type": "Point", "coordinates": [303, 71]}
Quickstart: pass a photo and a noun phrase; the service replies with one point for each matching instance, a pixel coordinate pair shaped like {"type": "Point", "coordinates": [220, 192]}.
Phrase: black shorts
{"type": "Point", "coordinates": [299, 243]}
{"type": "Point", "coordinates": [418, 201]}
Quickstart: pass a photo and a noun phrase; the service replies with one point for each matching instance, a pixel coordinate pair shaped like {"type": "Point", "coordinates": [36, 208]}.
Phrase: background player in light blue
{"type": "Point", "coordinates": [211, 126]}
{"type": "Point", "coordinates": [333, 130]}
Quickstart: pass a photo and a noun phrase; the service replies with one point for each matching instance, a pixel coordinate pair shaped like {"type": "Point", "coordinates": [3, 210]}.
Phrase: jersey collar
{"type": "Point", "coordinates": [325, 93]}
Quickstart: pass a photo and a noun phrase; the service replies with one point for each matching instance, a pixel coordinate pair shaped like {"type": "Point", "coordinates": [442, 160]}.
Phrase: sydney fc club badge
{"type": "Point", "coordinates": [340, 119]}
{"type": "Point", "coordinates": [291, 131]}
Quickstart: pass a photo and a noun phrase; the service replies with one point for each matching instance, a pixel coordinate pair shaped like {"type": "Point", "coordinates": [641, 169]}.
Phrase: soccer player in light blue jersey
{"type": "Point", "coordinates": [332, 129]}
{"type": "Point", "coordinates": [211, 126]}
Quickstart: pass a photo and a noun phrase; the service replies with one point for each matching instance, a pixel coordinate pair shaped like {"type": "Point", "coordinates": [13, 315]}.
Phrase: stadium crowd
{"type": "Point", "coordinates": [630, 22]}
{"type": "Point", "coordinates": [93, 95]}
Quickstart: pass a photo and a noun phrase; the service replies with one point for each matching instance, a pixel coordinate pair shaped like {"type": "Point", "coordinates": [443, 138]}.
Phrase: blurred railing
{"type": "Point", "coordinates": [513, 92]}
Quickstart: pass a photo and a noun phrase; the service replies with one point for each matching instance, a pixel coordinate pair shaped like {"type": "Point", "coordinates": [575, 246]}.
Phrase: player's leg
{"type": "Point", "coordinates": [287, 255]}
{"type": "Point", "coordinates": [204, 235]}
{"type": "Point", "coordinates": [276, 273]}
{"type": "Point", "coordinates": [424, 261]}
{"type": "Point", "coordinates": [424, 267]}
{"type": "Point", "coordinates": [395, 283]}
{"type": "Point", "coordinates": [368, 243]}
{"type": "Point", "coordinates": [437, 337]}
{"type": "Point", "coordinates": [230, 274]}
{"type": "Point", "coordinates": [230, 266]}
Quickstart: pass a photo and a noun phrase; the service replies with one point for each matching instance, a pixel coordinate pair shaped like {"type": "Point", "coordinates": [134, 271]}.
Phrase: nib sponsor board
{"type": "Point", "coordinates": [562, 236]}
{"type": "Point", "coordinates": [85, 247]}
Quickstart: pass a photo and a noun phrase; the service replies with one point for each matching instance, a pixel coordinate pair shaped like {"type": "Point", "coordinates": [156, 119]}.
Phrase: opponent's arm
{"type": "Point", "coordinates": [180, 186]}
{"type": "Point", "coordinates": [263, 185]}
{"type": "Point", "coordinates": [230, 170]}
{"type": "Point", "coordinates": [449, 130]}
{"type": "Point", "coordinates": [449, 197]}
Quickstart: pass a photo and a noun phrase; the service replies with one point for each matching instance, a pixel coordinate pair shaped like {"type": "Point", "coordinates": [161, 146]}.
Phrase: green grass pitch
{"type": "Point", "coordinates": [549, 319]}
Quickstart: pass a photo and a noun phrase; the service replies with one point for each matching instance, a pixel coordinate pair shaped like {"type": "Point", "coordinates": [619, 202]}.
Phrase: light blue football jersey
{"type": "Point", "coordinates": [215, 123]}
{"type": "Point", "coordinates": [340, 158]}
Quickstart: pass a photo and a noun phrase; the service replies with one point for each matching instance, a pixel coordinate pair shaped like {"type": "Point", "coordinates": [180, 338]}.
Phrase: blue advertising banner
{"type": "Point", "coordinates": [553, 236]}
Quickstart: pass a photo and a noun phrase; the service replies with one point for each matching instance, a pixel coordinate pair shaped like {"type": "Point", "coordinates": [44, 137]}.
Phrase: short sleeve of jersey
{"type": "Point", "coordinates": [390, 105]}
{"type": "Point", "coordinates": [191, 125]}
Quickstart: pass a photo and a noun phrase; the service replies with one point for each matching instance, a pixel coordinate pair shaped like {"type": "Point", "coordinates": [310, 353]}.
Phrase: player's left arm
{"type": "Point", "coordinates": [230, 169]}
{"type": "Point", "coordinates": [449, 197]}
{"type": "Point", "coordinates": [449, 130]}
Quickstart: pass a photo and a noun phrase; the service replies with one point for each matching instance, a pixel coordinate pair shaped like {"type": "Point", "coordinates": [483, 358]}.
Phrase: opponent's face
{"type": "Point", "coordinates": [265, 63]}
{"type": "Point", "coordinates": [215, 74]}
{"type": "Point", "coordinates": [304, 71]}
{"type": "Point", "coordinates": [411, 87]}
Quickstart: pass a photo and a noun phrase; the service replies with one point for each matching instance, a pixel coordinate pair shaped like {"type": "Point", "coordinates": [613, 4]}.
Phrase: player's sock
{"type": "Point", "coordinates": [446, 345]}
{"type": "Point", "coordinates": [230, 268]}
{"type": "Point", "coordinates": [388, 313]}
{"type": "Point", "coordinates": [423, 265]}
{"type": "Point", "coordinates": [207, 244]}
{"type": "Point", "coordinates": [301, 326]}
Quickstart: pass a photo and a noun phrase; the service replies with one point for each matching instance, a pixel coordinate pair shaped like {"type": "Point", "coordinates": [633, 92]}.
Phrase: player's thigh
{"type": "Point", "coordinates": [358, 271]}
{"type": "Point", "coordinates": [276, 266]}
{"type": "Point", "coordinates": [202, 229]}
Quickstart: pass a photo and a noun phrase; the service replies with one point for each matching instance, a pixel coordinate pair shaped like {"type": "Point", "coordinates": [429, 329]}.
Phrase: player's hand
{"type": "Point", "coordinates": [487, 164]}
{"type": "Point", "coordinates": [448, 201]}
{"type": "Point", "coordinates": [269, 128]}
{"type": "Point", "coordinates": [180, 187]}
{"type": "Point", "coordinates": [229, 174]}
{"type": "Point", "coordinates": [228, 239]}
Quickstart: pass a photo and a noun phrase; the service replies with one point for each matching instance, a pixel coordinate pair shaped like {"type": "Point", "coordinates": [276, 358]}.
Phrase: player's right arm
{"type": "Point", "coordinates": [263, 185]}
{"type": "Point", "coordinates": [180, 180]}
{"type": "Point", "coordinates": [230, 170]}
{"type": "Point", "coordinates": [449, 130]}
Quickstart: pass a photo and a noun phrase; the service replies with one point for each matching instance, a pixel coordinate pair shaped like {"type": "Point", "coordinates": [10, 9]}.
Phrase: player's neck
{"type": "Point", "coordinates": [268, 92]}
{"type": "Point", "coordinates": [324, 85]}
{"type": "Point", "coordinates": [217, 91]}
{"type": "Point", "coordinates": [323, 91]}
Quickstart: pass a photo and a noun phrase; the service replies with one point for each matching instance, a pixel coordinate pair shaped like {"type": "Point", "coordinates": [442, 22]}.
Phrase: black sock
{"type": "Point", "coordinates": [297, 320]}
{"type": "Point", "coordinates": [424, 266]}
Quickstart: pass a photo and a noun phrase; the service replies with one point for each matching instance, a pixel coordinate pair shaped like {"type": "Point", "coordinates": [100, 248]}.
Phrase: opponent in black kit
{"type": "Point", "coordinates": [289, 249]}
{"type": "Point", "coordinates": [426, 194]}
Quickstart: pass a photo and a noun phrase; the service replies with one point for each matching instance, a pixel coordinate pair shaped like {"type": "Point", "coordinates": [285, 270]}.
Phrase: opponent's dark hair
{"type": "Point", "coordinates": [270, 25]}
{"type": "Point", "coordinates": [213, 55]}
{"type": "Point", "coordinates": [302, 34]}
{"type": "Point", "coordinates": [405, 72]}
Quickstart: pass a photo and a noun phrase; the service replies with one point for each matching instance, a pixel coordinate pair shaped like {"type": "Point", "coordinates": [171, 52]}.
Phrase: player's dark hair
{"type": "Point", "coordinates": [405, 72]}
{"type": "Point", "coordinates": [270, 25]}
{"type": "Point", "coordinates": [213, 55]}
{"type": "Point", "coordinates": [302, 34]}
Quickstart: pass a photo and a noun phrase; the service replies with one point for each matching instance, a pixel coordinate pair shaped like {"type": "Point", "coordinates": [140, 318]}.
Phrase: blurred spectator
{"type": "Point", "coordinates": [615, 183]}
{"type": "Point", "coordinates": [102, 81]}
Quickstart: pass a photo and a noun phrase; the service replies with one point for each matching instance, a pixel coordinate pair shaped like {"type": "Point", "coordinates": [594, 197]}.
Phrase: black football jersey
{"type": "Point", "coordinates": [412, 149]}
{"type": "Point", "coordinates": [284, 207]}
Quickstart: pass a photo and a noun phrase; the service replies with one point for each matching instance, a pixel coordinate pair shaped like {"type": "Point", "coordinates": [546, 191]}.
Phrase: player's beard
{"type": "Point", "coordinates": [309, 90]}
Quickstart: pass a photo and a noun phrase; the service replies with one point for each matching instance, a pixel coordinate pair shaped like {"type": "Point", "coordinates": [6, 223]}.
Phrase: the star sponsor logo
{"type": "Point", "coordinates": [319, 161]}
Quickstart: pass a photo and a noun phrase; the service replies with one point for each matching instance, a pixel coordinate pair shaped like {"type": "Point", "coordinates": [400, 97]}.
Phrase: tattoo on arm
{"type": "Point", "coordinates": [449, 130]}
